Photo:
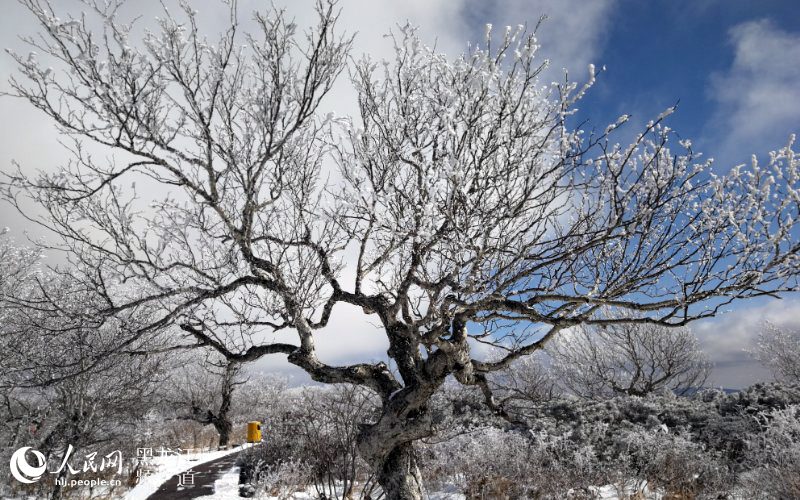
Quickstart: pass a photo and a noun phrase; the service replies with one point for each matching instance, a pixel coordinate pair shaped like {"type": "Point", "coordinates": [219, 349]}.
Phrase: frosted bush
{"type": "Point", "coordinates": [775, 458]}
{"type": "Point", "coordinates": [673, 463]}
{"type": "Point", "coordinates": [283, 479]}
{"type": "Point", "coordinates": [779, 350]}
{"type": "Point", "coordinates": [497, 463]}
{"type": "Point", "coordinates": [313, 435]}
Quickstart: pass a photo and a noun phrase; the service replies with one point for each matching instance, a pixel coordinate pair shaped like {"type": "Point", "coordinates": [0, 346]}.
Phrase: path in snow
{"type": "Point", "coordinates": [197, 482]}
{"type": "Point", "coordinates": [169, 467]}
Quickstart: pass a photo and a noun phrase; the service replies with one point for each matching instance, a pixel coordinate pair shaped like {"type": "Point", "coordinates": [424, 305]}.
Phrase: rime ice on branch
{"type": "Point", "coordinates": [475, 212]}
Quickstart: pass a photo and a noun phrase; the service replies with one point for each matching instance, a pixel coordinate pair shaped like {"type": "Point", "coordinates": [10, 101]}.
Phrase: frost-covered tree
{"type": "Point", "coordinates": [775, 456]}
{"type": "Point", "coordinates": [50, 329]}
{"type": "Point", "coordinates": [99, 410]}
{"type": "Point", "coordinates": [62, 391]}
{"type": "Point", "coordinates": [520, 387]}
{"type": "Point", "coordinates": [313, 434]}
{"type": "Point", "coordinates": [633, 359]}
{"type": "Point", "coordinates": [204, 393]}
{"type": "Point", "coordinates": [779, 350]}
{"type": "Point", "coordinates": [17, 265]}
{"type": "Point", "coordinates": [60, 387]}
{"type": "Point", "coordinates": [473, 211]}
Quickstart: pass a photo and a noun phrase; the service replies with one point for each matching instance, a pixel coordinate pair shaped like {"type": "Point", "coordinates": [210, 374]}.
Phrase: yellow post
{"type": "Point", "coordinates": [254, 432]}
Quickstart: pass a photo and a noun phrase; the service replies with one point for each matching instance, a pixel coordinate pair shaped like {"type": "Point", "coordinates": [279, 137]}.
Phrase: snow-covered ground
{"type": "Point", "coordinates": [446, 495]}
{"type": "Point", "coordinates": [631, 489]}
{"type": "Point", "coordinates": [167, 466]}
{"type": "Point", "coordinates": [226, 487]}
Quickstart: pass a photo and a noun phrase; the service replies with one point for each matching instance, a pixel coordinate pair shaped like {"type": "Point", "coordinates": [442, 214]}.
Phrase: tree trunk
{"type": "Point", "coordinates": [399, 475]}
{"type": "Point", "coordinates": [58, 491]}
{"type": "Point", "coordinates": [388, 446]}
{"type": "Point", "coordinates": [223, 427]}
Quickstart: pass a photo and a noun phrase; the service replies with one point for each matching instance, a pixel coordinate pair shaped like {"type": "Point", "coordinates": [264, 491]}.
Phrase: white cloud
{"type": "Point", "coordinates": [757, 96]}
{"type": "Point", "coordinates": [728, 338]}
{"type": "Point", "coordinates": [572, 36]}
{"type": "Point", "coordinates": [350, 337]}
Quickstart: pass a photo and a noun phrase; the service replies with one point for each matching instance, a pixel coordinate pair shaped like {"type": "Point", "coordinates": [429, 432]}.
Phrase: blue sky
{"type": "Point", "coordinates": [714, 58]}
{"type": "Point", "coordinates": [734, 65]}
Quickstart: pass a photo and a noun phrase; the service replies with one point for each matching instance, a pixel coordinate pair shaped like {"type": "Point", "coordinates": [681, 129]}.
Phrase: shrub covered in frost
{"type": "Point", "coordinates": [710, 445]}
{"type": "Point", "coordinates": [683, 447]}
{"type": "Point", "coordinates": [773, 461]}
{"type": "Point", "coordinates": [495, 463]}
{"type": "Point", "coordinates": [311, 439]}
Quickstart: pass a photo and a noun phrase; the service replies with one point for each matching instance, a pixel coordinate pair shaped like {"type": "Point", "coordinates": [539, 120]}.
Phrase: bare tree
{"type": "Point", "coordinates": [17, 266]}
{"type": "Point", "coordinates": [81, 409]}
{"type": "Point", "coordinates": [204, 393]}
{"type": "Point", "coordinates": [779, 350]}
{"type": "Point", "coordinates": [328, 424]}
{"type": "Point", "coordinates": [60, 388]}
{"type": "Point", "coordinates": [315, 431]}
{"type": "Point", "coordinates": [521, 386]}
{"type": "Point", "coordinates": [475, 212]}
{"type": "Point", "coordinates": [632, 359]}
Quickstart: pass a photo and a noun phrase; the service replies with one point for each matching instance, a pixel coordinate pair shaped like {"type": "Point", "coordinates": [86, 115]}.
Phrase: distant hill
{"type": "Point", "coordinates": [694, 390]}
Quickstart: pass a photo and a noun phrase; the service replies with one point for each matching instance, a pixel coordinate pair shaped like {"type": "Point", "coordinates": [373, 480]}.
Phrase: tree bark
{"type": "Point", "coordinates": [388, 446]}
{"type": "Point", "coordinates": [399, 475]}
{"type": "Point", "coordinates": [223, 427]}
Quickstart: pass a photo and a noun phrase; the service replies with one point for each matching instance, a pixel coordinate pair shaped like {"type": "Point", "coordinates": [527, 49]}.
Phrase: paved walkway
{"type": "Point", "coordinates": [197, 482]}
